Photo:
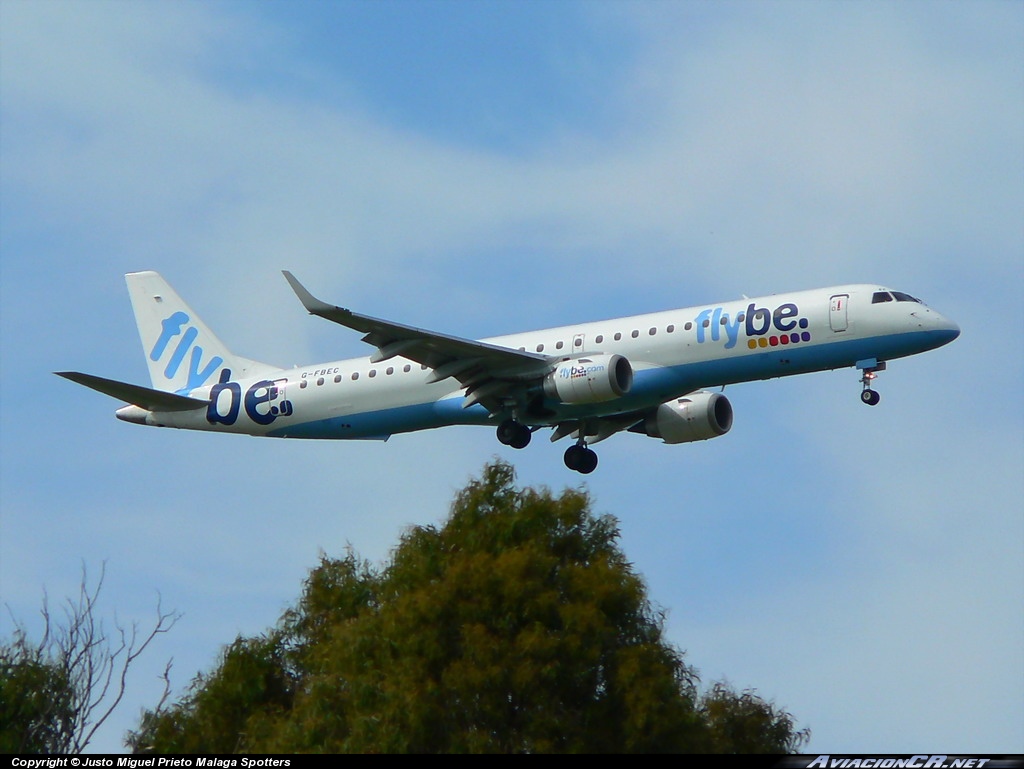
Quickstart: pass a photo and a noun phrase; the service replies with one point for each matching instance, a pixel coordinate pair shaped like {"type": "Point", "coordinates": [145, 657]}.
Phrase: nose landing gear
{"type": "Point", "coordinates": [870, 397]}
{"type": "Point", "coordinates": [870, 369]}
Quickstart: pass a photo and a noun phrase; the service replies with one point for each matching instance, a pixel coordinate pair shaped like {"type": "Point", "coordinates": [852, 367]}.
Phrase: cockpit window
{"type": "Point", "coordinates": [901, 297]}
{"type": "Point", "coordinates": [881, 296]}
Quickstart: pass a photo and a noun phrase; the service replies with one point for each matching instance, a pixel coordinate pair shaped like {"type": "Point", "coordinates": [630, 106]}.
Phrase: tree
{"type": "Point", "coordinates": [56, 693]}
{"type": "Point", "coordinates": [745, 723]}
{"type": "Point", "coordinates": [517, 626]}
{"type": "Point", "coordinates": [35, 699]}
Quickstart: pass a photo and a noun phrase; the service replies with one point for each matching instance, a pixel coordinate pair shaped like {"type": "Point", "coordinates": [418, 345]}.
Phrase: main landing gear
{"type": "Point", "coordinates": [581, 459]}
{"type": "Point", "coordinates": [578, 457]}
{"type": "Point", "coordinates": [870, 369]}
{"type": "Point", "coordinates": [514, 433]}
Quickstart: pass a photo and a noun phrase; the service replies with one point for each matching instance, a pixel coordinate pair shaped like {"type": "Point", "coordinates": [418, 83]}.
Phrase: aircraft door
{"type": "Point", "coordinates": [837, 312]}
{"type": "Point", "coordinates": [578, 344]}
{"type": "Point", "coordinates": [278, 395]}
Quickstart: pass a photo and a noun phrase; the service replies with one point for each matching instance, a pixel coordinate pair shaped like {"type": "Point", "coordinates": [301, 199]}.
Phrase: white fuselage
{"type": "Point", "coordinates": [672, 353]}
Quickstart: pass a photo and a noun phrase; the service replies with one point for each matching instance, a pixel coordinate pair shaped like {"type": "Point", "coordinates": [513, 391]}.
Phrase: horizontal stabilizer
{"type": "Point", "coordinates": [151, 400]}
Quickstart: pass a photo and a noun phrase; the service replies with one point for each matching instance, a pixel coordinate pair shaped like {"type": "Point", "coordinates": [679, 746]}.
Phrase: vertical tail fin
{"type": "Point", "coordinates": [181, 351]}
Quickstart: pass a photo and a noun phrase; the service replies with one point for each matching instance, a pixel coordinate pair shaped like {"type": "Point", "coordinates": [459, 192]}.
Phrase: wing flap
{"type": "Point", "coordinates": [597, 429]}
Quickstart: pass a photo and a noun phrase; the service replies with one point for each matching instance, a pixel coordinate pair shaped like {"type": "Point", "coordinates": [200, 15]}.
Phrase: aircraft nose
{"type": "Point", "coordinates": [939, 329]}
{"type": "Point", "coordinates": [945, 329]}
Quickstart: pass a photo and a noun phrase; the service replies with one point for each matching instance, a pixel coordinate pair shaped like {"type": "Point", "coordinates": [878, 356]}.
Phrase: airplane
{"type": "Point", "coordinates": [648, 374]}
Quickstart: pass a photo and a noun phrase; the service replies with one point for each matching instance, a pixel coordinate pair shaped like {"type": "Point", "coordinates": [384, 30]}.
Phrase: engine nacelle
{"type": "Point", "coordinates": [697, 417]}
{"type": "Point", "coordinates": [591, 379]}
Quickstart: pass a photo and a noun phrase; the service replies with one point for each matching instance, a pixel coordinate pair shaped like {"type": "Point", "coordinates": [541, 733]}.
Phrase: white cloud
{"type": "Point", "coordinates": [739, 151]}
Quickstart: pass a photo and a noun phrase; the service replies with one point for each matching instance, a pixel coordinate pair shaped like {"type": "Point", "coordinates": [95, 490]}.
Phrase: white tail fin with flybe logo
{"type": "Point", "coordinates": [181, 351]}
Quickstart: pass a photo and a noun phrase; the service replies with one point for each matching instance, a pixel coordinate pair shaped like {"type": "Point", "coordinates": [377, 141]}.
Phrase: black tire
{"type": "Point", "coordinates": [870, 397]}
{"type": "Point", "coordinates": [573, 457]}
{"type": "Point", "coordinates": [521, 438]}
{"type": "Point", "coordinates": [581, 459]}
{"type": "Point", "coordinates": [507, 431]}
{"type": "Point", "coordinates": [588, 462]}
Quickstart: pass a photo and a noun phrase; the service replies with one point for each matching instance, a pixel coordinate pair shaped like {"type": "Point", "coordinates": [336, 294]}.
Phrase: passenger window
{"type": "Point", "coordinates": [337, 378]}
{"type": "Point", "coordinates": [688, 326]}
{"type": "Point", "coordinates": [540, 348]}
{"type": "Point", "coordinates": [407, 368]}
{"type": "Point", "coordinates": [618, 336]}
{"type": "Point", "coordinates": [578, 342]}
{"type": "Point", "coordinates": [373, 373]}
{"type": "Point", "coordinates": [635, 334]}
{"type": "Point", "coordinates": [390, 371]}
{"type": "Point", "coordinates": [671, 329]}
{"type": "Point", "coordinates": [599, 339]}
{"type": "Point", "coordinates": [559, 346]}
{"type": "Point", "coordinates": [355, 375]}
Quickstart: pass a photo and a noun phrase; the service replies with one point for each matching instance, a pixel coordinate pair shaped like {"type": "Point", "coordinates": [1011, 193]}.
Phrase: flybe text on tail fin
{"type": "Point", "coordinates": [182, 353]}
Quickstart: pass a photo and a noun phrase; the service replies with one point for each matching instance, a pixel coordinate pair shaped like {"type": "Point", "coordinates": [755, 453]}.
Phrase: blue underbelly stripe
{"type": "Point", "coordinates": [650, 387]}
{"type": "Point", "coordinates": [381, 425]}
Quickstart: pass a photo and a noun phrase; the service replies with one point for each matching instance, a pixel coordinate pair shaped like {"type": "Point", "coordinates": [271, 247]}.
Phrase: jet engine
{"type": "Point", "coordinates": [697, 417]}
{"type": "Point", "coordinates": [591, 379]}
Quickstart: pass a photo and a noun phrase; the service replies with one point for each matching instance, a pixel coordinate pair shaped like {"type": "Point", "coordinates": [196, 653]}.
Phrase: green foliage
{"type": "Point", "coordinates": [518, 626]}
{"type": "Point", "coordinates": [251, 684]}
{"type": "Point", "coordinates": [36, 699]}
{"type": "Point", "coordinates": [745, 723]}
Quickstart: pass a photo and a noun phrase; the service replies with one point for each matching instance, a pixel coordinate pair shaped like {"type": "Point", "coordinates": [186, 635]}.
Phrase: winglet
{"type": "Point", "coordinates": [313, 305]}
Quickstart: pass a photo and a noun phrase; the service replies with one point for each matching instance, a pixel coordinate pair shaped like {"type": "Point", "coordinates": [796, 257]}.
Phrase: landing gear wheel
{"type": "Point", "coordinates": [867, 395]}
{"type": "Point", "coordinates": [514, 434]}
{"type": "Point", "coordinates": [581, 459]}
{"type": "Point", "coordinates": [589, 463]}
{"type": "Point", "coordinates": [507, 431]}
{"type": "Point", "coordinates": [572, 457]}
{"type": "Point", "coordinates": [522, 438]}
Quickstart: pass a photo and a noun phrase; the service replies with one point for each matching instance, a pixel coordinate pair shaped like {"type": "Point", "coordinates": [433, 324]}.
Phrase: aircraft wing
{"type": "Point", "coordinates": [488, 372]}
{"type": "Point", "coordinates": [600, 428]}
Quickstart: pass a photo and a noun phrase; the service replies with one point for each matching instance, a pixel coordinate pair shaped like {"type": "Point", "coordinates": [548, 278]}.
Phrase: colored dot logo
{"type": "Point", "coordinates": [783, 339]}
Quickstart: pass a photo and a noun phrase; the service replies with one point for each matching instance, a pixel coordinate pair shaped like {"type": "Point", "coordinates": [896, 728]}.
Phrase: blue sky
{"type": "Point", "coordinates": [482, 168]}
